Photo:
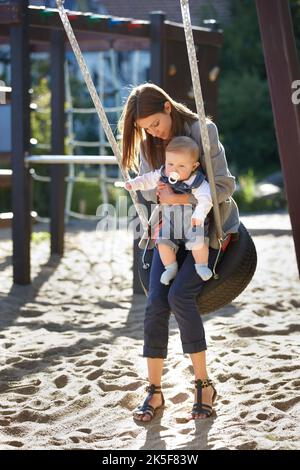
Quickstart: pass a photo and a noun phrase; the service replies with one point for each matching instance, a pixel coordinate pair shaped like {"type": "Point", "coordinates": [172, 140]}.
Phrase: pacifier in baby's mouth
{"type": "Point", "coordinates": [174, 177]}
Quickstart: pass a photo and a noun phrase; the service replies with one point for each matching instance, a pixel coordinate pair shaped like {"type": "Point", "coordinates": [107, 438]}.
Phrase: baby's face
{"type": "Point", "coordinates": [181, 163]}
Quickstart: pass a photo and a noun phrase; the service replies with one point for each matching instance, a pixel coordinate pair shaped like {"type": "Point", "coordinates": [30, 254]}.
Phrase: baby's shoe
{"type": "Point", "coordinates": [169, 273]}
{"type": "Point", "coordinates": [204, 272]}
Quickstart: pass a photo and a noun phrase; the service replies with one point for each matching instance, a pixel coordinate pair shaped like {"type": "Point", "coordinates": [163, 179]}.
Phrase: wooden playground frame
{"type": "Point", "coordinates": [24, 26]}
{"type": "Point", "coordinates": [21, 23]}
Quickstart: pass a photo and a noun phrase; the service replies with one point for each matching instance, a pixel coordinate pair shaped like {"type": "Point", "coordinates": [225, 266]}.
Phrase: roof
{"type": "Point", "coordinates": [140, 9]}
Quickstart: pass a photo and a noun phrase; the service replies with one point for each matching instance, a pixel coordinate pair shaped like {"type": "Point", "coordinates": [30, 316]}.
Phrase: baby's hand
{"type": "Point", "coordinates": [196, 222]}
{"type": "Point", "coordinates": [128, 186]}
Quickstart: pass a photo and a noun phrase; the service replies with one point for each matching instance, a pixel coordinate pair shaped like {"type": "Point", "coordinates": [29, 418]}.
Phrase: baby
{"type": "Point", "coordinates": [182, 172]}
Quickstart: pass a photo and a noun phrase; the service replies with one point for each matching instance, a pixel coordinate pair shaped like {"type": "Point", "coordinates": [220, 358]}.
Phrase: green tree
{"type": "Point", "coordinates": [245, 111]}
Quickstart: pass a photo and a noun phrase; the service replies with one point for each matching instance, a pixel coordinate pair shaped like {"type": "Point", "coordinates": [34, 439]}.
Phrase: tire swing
{"type": "Point", "coordinates": [237, 258]}
{"type": "Point", "coordinates": [235, 269]}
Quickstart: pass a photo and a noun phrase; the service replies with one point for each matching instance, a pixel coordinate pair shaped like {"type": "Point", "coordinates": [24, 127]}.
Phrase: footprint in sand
{"type": "Point", "coordinates": [128, 401]}
{"type": "Point", "coordinates": [237, 376]}
{"type": "Point", "coordinates": [295, 303]}
{"type": "Point", "coordinates": [5, 422]}
{"type": "Point", "coordinates": [124, 362]}
{"type": "Point", "coordinates": [13, 360]}
{"type": "Point", "coordinates": [277, 385]}
{"type": "Point", "coordinates": [262, 416]}
{"type": "Point", "coordinates": [101, 354]}
{"type": "Point", "coordinates": [280, 356]}
{"type": "Point", "coordinates": [285, 369]}
{"type": "Point", "coordinates": [23, 390]}
{"type": "Point", "coordinates": [59, 402]}
{"type": "Point", "coordinates": [30, 313]}
{"type": "Point", "coordinates": [179, 398]}
{"type": "Point", "coordinates": [84, 430]}
{"type": "Point", "coordinates": [30, 415]}
{"type": "Point", "coordinates": [262, 313]}
{"type": "Point", "coordinates": [256, 381]}
{"type": "Point", "coordinates": [296, 383]}
{"type": "Point", "coordinates": [14, 443]}
{"type": "Point", "coordinates": [251, 445]}
{"type": "Point", "coordinates": [61, 381]}
{"type": "Point", "coordinates": [249, 402]}
{"type": "Point", "coordinates": [97, 362]}
{"type": "Point", "coordinates": [95, 375]}
{"type": "Point", "coordinates": [222, 378]}
{"type": "Point", "coordinates": [286, 405]}
{"type": "Point", "coordinates": [84, 390]}
{"type": "Point", "coordinates": [249, 331]}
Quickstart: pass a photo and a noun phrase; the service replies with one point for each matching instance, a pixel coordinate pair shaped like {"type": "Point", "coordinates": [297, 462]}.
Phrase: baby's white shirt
{"type": "Point", "coordinates": [202, 193]}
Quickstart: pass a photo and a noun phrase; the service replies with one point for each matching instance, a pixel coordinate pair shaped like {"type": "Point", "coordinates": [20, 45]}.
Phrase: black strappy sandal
{"type": "Point", "coordinates": [145, 408]}
{"type": "Point", "coordinates": [199, 407]}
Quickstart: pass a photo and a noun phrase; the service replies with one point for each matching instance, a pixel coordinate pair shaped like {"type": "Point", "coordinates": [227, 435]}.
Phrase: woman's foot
{"type": "Point", "coordinates": [203, 405]}
{"type": "Point", "coordinates": [154, 400]}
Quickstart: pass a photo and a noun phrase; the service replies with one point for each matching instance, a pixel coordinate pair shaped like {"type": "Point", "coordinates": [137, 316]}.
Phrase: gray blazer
{"type": "Point", "coordinates": [225, 184]}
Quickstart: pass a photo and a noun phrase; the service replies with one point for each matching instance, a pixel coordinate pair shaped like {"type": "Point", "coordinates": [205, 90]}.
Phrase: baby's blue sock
{"type": "Point", "coordinates": [204, 272]}
{"type": "Point", "coordinates": [169, 273]}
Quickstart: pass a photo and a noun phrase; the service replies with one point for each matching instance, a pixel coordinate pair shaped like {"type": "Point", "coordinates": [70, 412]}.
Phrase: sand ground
{"type": "Point", "coordinates": [71, 352]}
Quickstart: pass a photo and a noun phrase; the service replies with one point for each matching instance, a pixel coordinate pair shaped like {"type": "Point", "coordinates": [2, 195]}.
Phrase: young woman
{"type": "Point", "coordinates": [149, 121]}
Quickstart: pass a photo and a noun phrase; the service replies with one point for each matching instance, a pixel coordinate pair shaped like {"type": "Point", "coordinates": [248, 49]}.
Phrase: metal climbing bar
{"type": "Point", "coordinates": [77, 159]}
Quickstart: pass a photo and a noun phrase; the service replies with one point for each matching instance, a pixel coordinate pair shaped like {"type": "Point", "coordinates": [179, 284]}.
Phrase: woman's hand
{"type": "Point", "coordinates": [167, 196]}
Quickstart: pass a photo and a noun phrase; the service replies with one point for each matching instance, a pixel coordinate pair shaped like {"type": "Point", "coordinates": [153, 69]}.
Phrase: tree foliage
{"type": "Point", "coordinates": [245, 111]}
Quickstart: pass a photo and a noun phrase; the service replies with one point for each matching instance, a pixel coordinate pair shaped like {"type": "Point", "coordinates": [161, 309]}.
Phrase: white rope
{"type": "Point", "coordinates": [98, 105]}
{"type": "Point", "coordinates": [185, 11]}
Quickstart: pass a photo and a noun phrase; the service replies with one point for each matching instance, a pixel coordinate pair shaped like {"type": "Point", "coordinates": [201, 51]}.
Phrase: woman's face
{"type": "Point", "coordinates": [158, 124]}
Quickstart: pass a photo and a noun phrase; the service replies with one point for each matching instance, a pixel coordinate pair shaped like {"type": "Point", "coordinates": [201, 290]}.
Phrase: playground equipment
{"type": "Point", "coordinates": [100, 146]}
{"type": "Point", "coordinates": [286, 52]}
{"type": "Point", "coordinates": [28, 27]}
{"type": "Point", "coordinates": [239, 262]}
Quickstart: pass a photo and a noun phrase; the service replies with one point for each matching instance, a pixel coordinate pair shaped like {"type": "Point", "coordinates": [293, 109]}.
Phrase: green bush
{"type": "Point", "coordinates": [246, 123]}
{"type": "Point", "coordinates": [245, 113]}
{"type": "Point", "coordinates": [5, 200]}
{"type": "Point", "coordinates": [90, 193]}
{"type": "Point", "coordinates": [247, 200]}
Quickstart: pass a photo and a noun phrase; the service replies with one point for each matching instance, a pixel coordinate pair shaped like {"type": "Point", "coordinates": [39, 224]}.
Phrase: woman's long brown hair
{"type": "Point", "coordinates": [143, 101]}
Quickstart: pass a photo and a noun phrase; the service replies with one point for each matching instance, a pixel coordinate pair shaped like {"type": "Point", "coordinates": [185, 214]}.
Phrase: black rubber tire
{"type": "Point", "coordinates": [235, 269]}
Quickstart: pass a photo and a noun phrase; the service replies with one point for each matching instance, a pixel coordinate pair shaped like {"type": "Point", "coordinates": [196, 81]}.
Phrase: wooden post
{"type": "Point", "coordinates": [20, 128]}
{"type": "Point", "coordinates": [283, 69]}
{"type": "Point", "coordinates": [157, 48]}
{"type": "Point", "coordinates": [57, 198]}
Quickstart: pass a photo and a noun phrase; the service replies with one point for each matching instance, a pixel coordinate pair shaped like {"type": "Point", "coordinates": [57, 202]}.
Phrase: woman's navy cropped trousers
{"type": "Point", "coordinates": [180, 299]}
